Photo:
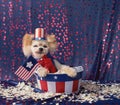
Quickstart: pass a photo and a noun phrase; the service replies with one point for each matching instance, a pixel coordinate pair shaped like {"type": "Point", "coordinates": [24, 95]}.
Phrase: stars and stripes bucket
{"type": "Point", "coordinates": [60, 83]}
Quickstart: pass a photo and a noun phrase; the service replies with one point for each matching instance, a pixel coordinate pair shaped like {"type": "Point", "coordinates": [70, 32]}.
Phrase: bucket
{"type": "Point", "coordinates": [60, 83]}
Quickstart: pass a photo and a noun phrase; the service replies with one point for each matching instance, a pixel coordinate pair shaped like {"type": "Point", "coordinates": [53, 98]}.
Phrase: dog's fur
{"type": "Point", "coordinates": [39, 48]}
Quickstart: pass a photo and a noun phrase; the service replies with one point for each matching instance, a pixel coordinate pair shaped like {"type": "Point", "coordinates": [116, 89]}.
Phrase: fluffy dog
{"type": "Point", "coordinates": [39, 49]}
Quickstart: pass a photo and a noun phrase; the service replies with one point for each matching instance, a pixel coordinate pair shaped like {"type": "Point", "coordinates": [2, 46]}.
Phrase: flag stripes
{"type": "Point", "coordinates": [24, 74]}
{"type": "Point", "coordinates": [59, 87]}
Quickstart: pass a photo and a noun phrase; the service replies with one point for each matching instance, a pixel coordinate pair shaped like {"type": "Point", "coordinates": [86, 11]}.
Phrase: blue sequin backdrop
{"type": "Point", "coordinates": [87, 31]}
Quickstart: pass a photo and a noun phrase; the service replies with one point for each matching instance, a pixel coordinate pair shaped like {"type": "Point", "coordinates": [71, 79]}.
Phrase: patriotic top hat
{"type": "Point", "coordinates": [39, 34]}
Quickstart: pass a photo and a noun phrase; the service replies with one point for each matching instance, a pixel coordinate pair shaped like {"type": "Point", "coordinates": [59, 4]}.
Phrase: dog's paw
{"type": "Point", "coordinates": [72, 72]}
{"type": "Point", "coordinates": [68, 70]}
{"type": "Point", "coordinates": [42, 72]}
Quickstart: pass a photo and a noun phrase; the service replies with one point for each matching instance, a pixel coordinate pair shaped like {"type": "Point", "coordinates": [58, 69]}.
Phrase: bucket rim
{"type": "Point", "coordinates": [59, 77]}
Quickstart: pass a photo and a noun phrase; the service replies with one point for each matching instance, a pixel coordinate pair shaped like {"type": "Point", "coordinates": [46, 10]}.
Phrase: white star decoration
{"type": "Point", "coordinates": [29, 64]}
{"type": "Point", "coordinates": [55, 77]}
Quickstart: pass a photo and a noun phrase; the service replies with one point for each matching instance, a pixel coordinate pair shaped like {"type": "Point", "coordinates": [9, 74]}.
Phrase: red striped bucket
{"type": "Point", "coordinates": [60, 83]}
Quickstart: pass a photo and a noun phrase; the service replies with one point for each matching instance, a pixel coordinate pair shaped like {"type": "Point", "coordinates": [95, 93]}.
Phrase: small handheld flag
{"type": "Point", "coordinates": [27, 69]}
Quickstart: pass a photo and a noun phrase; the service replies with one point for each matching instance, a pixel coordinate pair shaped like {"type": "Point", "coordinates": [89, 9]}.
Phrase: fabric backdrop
{"type": "Point", "coordinates": [87, 31]}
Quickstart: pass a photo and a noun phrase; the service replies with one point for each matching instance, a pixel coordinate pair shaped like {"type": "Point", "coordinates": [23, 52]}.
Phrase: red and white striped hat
{"type": "Point", "coordinates": [39, 34]}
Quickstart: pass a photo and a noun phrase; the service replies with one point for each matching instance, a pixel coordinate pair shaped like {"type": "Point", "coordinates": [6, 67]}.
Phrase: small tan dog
{"type": "Point", "coordinates": [39, 47]}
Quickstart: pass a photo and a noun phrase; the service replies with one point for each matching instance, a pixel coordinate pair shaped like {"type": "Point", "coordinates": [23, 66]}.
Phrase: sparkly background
{"type": "Point", "coordinates": [87, 31]}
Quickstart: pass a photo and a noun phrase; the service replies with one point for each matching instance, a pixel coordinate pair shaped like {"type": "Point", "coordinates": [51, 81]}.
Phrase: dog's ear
{"type": "Point", "coordinates": [26, 44]}
{"type": "Point", "coordinates": [52, 42]}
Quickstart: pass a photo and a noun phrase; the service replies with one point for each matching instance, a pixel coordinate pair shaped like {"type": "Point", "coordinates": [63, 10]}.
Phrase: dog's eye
{"type": "Point", "coordinates": [45, 46]}
{"type": "Point", "coordinates": [35, 46]}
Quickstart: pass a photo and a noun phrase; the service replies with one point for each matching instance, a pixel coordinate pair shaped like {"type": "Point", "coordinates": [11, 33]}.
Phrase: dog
{"type": "Point", "coordinates": [39, 46]}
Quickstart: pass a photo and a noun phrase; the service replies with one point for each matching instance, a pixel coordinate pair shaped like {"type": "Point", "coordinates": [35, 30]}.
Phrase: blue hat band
{"type": "Point", "coordinates": [39, 38]}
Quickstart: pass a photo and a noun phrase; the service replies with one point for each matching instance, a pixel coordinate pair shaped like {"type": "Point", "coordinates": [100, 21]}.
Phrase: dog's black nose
{"type": "Point", "coordinates": [41, 49]}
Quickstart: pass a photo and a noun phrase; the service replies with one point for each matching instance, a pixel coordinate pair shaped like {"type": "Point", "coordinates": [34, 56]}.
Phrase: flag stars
{"type": "Point", "coordinates": [29, 64]}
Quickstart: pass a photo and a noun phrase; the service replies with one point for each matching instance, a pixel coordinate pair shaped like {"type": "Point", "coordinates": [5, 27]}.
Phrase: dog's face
{"type": "Point", "coordinates": [39, 48]}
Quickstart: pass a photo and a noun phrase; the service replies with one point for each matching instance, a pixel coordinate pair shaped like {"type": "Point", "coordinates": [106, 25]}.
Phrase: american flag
{"type": "Point", "coordinates": [27, 69]}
